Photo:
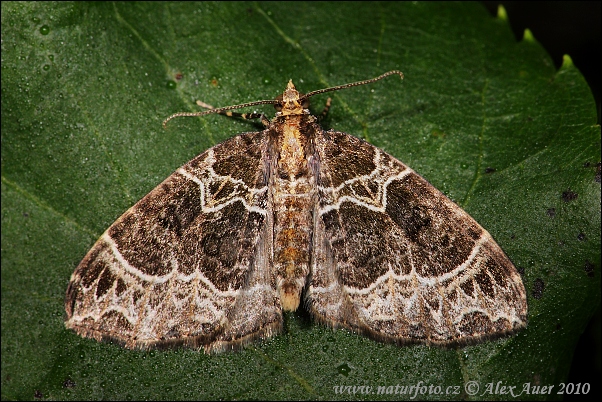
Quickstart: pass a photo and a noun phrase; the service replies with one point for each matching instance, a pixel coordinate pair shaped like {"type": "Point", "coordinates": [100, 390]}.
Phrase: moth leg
{"type": "Point", "coordinates": [326, 109]}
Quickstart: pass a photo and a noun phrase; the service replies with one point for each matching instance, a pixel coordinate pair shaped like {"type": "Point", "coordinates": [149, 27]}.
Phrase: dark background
{"type": "Point", "coordinates": [571, 28]}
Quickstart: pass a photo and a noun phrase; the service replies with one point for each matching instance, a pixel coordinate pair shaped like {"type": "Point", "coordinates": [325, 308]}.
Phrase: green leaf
{"type": "Point", "coordinates": [485, 119]}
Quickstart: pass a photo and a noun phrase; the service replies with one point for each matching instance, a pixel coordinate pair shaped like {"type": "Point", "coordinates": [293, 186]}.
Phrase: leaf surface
{"type": "Point", "coordinates": [487, 120]}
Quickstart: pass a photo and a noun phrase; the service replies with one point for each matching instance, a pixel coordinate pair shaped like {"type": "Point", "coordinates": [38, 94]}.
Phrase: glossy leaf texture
{"type": "Point", "coordinates": [486, 119]}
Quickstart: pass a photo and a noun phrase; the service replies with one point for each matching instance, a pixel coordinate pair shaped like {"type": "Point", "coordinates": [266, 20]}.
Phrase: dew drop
{"type": "Point", "coordinates": [344, 369]}
{"type": "Point", "coordinates": [44, 29]}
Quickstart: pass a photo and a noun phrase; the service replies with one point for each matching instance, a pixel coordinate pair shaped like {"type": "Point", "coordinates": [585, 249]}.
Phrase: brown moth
{"type": "Point", "coordinates": [251, 227]}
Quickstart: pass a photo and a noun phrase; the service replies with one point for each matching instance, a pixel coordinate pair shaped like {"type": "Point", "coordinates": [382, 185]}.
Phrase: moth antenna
{"type": "Point", "coordinates": [217, 110]}
{"type": "Point", "coordinates": [275, 101]}
{"type": "Point", "coordinates": [353, 84]}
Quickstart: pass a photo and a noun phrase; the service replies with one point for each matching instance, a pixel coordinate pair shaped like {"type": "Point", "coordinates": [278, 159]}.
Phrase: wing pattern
{"type": "Point", "coordinates": [397, 260]}
{"type": "Point", "coordinates": [180, 266]}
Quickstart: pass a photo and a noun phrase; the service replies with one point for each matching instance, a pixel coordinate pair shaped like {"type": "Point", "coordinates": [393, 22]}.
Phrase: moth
{"type": "Point", "coordinates": [266, 220]}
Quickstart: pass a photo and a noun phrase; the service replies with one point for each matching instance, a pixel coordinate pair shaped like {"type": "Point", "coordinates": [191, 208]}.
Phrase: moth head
{"type": "Point", "coordinates": [291, 101]}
